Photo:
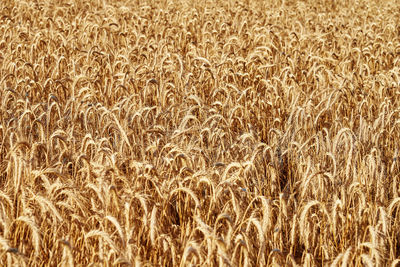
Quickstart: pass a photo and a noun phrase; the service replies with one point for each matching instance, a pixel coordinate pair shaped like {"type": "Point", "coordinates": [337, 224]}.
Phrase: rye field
{"type": "Point", "coordinates": [199, 133]}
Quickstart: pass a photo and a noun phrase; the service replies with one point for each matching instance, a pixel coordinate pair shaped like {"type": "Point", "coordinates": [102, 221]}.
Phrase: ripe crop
{"type": "Point", "coordinates": [205, 133]}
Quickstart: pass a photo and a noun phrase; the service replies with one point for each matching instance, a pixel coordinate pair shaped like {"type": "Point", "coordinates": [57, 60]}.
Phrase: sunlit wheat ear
{"type": "Point", "coordinates": [100, 237]}
{"type": "Point", "coordinates": [67, 256]}
{"type": "Point", "coordinates": [4, 244]}
{"type": "Point", "coordinates": [118, 227]}
{"type": "Point", "coordinates": [191, 250]}
{"type": "Point", "coordinates": [275, 258]}
{"type": "Point", "coordinates": [35, 235]}
{"type": "Point", "coordinates": [190, 193]}
{"type": "Point", "coordinates": [261, 239]}
{"type": "Point", "coordinates": [303, 224]}
{"type": "Point", "coordinates": [366, 260]}
{"type": "Point", "coordinates": [14, 256]}
{"type": "Point", "coordinates": [153, 227]}
{"type": "Point", "coordinates": [47, 206]}
{"type": "Point", "coordinates": [346, 256]}
{"type": "Point", "coordinates": [7, 204]}
{"type": "Point", "coordinates": [395, 263]}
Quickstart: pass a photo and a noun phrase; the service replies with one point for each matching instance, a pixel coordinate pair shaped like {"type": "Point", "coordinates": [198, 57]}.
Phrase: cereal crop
{"type": "Point", "coordinates": [199, 133]}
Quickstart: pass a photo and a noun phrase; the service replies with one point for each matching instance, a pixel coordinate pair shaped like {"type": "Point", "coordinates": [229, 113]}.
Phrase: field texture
{"type": "Point", "coordinates": [199, 133]}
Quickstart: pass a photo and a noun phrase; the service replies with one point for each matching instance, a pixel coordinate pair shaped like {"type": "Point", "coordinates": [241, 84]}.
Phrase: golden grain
{"type": "Point", "coordinates": [165, 133]}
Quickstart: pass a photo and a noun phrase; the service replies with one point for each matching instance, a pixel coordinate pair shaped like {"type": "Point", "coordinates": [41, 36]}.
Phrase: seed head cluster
{"type": "Point", "coordinates": [199, 133]}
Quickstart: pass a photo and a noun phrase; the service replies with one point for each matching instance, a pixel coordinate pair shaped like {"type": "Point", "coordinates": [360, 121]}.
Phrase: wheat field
{"type": "Point", "coordinates": [199, 133]}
